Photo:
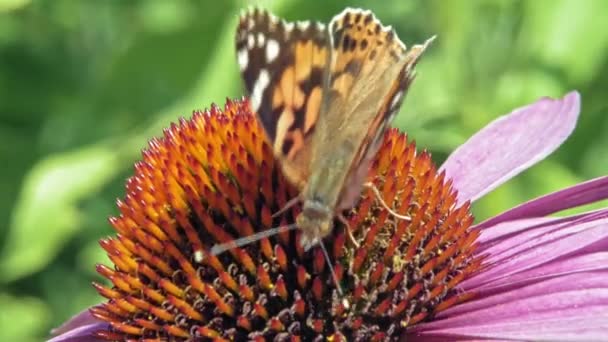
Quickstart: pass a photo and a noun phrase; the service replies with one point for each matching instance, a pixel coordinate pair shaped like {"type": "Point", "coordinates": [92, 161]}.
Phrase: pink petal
{"type": "Point", "coordinates": [79, 328]}
{"type": "Point", "coordinates": [81, 334]}
{"type": "Point", "coordinates": [580, 194]}
{"type": "Point", "coordinates": [534, 248]}
{"type": "Point", "coordinates": [447, 337]}
{"type": "Point", "coordinates": [514, 233]}
{"type": "Point", "coordinates": [546, 279]}
{"type": "Point", "coordinates": [577, 282]}
{"type": "Point", "coordinates": [589, 263]}
{"type": "Point", "coordinates": [572, 324]}
{"type": "Point", "coordinates": [496, 233]}
{"type": "Point", "coordinates": [576, 315]}
{"type": "Point", "coordinates": [511, 144]}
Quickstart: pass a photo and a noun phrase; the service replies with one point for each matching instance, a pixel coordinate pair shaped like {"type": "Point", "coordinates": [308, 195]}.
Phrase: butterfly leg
{"type": "Point", "coordinates": [348, 230]}
{"type": "Point", "coordinates": [381, 200]}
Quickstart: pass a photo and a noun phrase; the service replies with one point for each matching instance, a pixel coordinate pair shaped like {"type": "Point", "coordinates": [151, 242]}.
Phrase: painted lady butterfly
{"type": "Point", "coordinates": [325, 96]}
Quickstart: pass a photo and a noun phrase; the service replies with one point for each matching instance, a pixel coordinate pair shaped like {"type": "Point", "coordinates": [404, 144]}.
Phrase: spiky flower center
{"type": "Point", "coordinates": [212, 179]}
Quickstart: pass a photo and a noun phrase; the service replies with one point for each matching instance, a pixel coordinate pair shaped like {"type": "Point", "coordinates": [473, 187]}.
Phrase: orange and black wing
{"type": "Point", "coordinates": [284, 65]}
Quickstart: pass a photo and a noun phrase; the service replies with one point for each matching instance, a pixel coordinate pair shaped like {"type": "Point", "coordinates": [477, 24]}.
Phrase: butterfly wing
{"type": "Point", "coordinates": [283, 66]}
{"type": "Point", "coordinates": [370, 72]}
{"type": "Point", "coordinates": [344, 83]}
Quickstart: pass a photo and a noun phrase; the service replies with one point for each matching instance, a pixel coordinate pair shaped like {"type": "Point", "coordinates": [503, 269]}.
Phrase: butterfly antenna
{"type": "Point", "coordinates": [331, 269]}
{"type": "Point", "coordinates": [243, 241]}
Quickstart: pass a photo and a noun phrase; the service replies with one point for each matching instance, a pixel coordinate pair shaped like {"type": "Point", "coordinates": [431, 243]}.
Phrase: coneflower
{"type": "Point", "coordinates": [213, 178]}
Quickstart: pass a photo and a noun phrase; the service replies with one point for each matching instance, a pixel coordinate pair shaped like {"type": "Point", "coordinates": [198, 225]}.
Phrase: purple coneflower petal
{"type": "Point", "coordinates": [502, 238]}
{"type": "Point", "coordinates": [517, 232]}
{"type": "Point", "coordinates": [541, 311]}
{"type": "Point", "coordinates": [78, 329]}
{"type": "Point", "coordinates": [580, 194]}
{"type": "Point", "coordinates": [540, 245]}
{"type": "Point", "coordinates": [546, 279]}
{"type": "Point", "coordinates": [595, 263]}
{"type": "Point", "coordinates": [511, 144]}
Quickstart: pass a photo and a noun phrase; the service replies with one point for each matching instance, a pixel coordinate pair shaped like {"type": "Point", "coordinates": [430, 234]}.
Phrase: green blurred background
{"type": "Point", "coordinates": [84, 85]}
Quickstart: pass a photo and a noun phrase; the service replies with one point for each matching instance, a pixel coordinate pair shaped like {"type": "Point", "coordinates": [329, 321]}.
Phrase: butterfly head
{"type": "Point", "coordinates": [315, 221]}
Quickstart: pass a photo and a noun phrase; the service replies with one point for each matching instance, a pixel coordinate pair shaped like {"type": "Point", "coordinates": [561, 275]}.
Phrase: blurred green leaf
{"type": "Point", "coordinates": [77, 293]}
{"type": "Point", "coordinates": [504, 197]}
{"type": "Point", "coordinates": [12, 5]}
{"type": "Point", "coordinates": [520, 85]}
{"type": "Point", "coordinates": [89, 255]}
{"type": "Point", "coordinates": [21, 319]}
{"type": "Point", "coordinates": [46, 213]}
{"type": "Point", "coordinates": [565, 34]}
{"type": "Point", "coordinates": [166, 16]}
{"type": "Point", "coordinates": [595, 158]}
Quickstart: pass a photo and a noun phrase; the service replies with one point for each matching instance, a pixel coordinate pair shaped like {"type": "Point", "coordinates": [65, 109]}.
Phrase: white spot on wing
{"type": "Point", "coordinates": [303, 25]}
{"type": "Point", "coordinates": [243, 58]}
{"type": "Point", "coordinates": [258, 89]}
{"type": "Point", "coordinates": [336, 22]}
{"type": "Point", "coordinates": [261, 39]}
{"type": "Point", "coordinates": [273, 19]}
{"type": "Point", "coordinates": [272, 50]}
{"type": "Point", "coordinates": [250, 41]}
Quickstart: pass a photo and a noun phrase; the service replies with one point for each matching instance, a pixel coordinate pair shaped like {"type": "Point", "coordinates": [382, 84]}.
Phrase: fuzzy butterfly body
{"type": "Point", "coordinates": [325, 94]}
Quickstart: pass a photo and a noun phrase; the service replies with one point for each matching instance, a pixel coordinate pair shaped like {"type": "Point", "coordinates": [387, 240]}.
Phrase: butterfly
{"type": "Point", "coordinates": [325, 95]}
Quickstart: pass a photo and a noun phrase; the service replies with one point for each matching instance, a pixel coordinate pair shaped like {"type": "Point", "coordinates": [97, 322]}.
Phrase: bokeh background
{"type": "Point", "coordinates": [85, 84]}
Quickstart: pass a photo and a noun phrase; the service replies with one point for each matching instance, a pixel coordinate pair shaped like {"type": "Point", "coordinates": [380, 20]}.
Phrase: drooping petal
{"type": "Point", "coordinates": [594, 263]}
{"type": "Point", "coordinates": [79, 328]}
{"type": "Point", "coordinates": [539, 312]}
{"type": "Point", "coordinates": [511, 144]}
{"type": "Point", "coordinates": [537, 247]}
{"type": "Point", "coordinates": [527, 229]}
{"type": "Point", "coordinates": [580, 194]}
{"type": "Point", "coordinates": [545, 279]}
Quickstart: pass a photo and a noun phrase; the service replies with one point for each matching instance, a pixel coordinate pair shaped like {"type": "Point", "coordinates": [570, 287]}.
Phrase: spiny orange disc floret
{"type": "Point", "coordinates": [212, 179]}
